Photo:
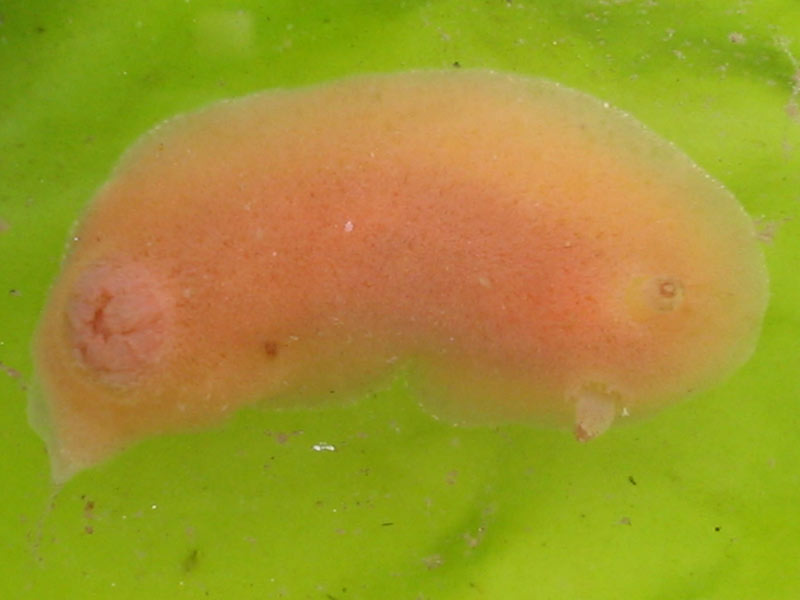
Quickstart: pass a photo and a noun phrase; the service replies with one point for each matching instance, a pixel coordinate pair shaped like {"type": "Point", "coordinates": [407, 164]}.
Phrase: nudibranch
{"type": "Point", "coordinates": [535, 254]}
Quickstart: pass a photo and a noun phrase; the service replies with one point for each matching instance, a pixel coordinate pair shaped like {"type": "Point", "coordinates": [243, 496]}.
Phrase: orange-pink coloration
{"type": "Point", "coordinates": [118, 318]}
{"type": "Point", "coordinates": [535, 255]}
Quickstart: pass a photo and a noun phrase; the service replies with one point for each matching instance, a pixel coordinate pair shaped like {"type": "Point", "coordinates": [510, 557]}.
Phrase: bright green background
{"type": "Point", "coordinates": [700, 502]}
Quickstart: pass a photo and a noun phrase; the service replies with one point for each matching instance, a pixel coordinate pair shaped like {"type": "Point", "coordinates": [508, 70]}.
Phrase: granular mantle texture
{"type": "Point", "coordinates": [533, 254]}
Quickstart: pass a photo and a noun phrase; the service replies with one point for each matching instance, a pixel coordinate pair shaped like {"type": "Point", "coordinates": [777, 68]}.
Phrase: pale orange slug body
{"type": "Point", "coordinates": [536, 255]}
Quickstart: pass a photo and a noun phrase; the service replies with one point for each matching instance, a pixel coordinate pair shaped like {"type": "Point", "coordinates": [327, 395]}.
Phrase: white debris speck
{"type": "Point", "coordinates": [324, 447]}
{"type": "Point", "coordinates": [348, 227]}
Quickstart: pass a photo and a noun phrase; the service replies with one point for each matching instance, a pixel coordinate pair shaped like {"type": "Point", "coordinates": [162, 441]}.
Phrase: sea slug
{"type": "Point", "coordinates": [535, 256]}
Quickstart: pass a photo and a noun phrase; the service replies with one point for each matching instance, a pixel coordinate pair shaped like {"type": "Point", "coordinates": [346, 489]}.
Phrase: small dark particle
{"type": "Point", "coordinates": [15, 292]}
{"type": "Point", "coordinates": [736, 38]}
{"type": "Point", "coordinates": [457, 64]}
{"type": "Point", "coordinates": [271, 349]}
{"type": "Point", "coordinates": [386, 524]}
{"type": "Point", "coordinates": [10, 371]}
{"type": "Point", "coordinates": [717, 528]}
{"type": "Point", "coordinates": [631, 479]}
{"type": "Point", "coordinates": [89, 529]}
{"type": "Point", "coordinates": [190, 562]}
